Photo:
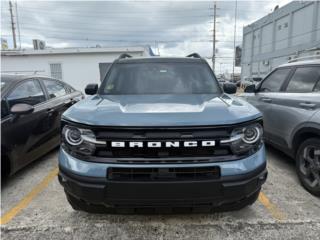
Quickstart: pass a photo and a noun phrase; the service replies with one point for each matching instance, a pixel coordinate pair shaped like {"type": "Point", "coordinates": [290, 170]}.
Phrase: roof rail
{"type": "Point", "coordinates": [311, 57]}
{"type": "Point", "coordinates": [195, 55]}
{"type": "Point", "coordinates": [124, 55]}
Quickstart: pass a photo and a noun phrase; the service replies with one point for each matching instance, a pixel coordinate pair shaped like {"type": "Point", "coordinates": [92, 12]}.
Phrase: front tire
{"type": "Point", "coordinates": [308, 165]}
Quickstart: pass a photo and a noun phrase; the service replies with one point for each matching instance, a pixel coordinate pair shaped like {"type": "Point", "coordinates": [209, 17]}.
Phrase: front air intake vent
{"type": "Point", "coordinates": [163, 174]}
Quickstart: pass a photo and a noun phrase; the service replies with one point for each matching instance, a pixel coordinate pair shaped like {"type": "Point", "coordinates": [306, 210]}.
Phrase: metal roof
{"type": "Point", "coordinates": [14, 77]}
{"type": "Point", "coordinates": [25, 52]}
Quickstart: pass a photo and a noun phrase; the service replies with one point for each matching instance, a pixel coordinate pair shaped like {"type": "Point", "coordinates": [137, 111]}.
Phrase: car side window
{"type": "Point", "coordinates": [317, 87]}
{"type": "Point", "coordinates": [54, 88]}
{"type": "Point", "coordinates": [29, 92]}
{"type": "Point", "coordinates": [274, 81]}
{"type": "Point", "coordinates": [69, 89]}
{"type": "Point", "coordinates": [304, 80]}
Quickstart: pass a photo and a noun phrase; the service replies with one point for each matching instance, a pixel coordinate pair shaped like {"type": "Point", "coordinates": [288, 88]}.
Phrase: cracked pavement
{"type": "Point", "coordinates": [49, 216]}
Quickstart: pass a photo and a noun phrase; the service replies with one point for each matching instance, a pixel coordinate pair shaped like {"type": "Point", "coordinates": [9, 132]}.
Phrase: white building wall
{"type": "Point", "coordinates": [282, 33]}
{"type": "Point", "coordinates": [266, 41]}
{"type": "Point", "coordinates": [77, 69]}
{"type": "Point", "coordinates": [247, 43]}
{"type": "Point", "coordinates": [302, 25]}
{"type": "Point", "coordinates": [318, 21]}
{"type": "Point", "coordinates": [256, 41]}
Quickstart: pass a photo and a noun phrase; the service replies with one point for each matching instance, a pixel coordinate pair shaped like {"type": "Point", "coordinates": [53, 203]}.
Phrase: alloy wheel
{"type": "Point", "coordinates": [310, 165]}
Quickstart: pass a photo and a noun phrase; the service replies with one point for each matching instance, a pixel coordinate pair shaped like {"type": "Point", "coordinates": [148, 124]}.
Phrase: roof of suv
{"type": "Point", "coordinates": [160, 60]}
{"type": "Point", "coordinates": [298, 63]}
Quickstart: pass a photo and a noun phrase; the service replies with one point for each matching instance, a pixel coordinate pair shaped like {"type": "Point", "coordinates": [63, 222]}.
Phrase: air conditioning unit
{"type": "Point", "coordinates": [38, 44]}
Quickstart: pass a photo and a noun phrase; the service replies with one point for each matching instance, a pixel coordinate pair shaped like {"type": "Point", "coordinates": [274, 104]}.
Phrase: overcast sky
{"type": "Point", "coordinates": [169, 27]}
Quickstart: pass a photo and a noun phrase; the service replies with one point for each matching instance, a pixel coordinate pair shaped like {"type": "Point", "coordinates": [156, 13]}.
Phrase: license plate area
{"type": "Point", "coordinates": [163, 174]}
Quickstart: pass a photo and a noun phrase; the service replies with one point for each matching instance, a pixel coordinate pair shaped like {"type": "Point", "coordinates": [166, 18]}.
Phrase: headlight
{"type": "Point", "coordinates": [252, 134]}
{"type": "Point", "coordinates": [245, 139]}
{"type": "Point", "coordinates": [78, 140]}
{"type": "Point", "coordinates": [72, 136]}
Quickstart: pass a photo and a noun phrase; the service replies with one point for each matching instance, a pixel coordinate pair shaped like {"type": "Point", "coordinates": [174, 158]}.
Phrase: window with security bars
{"type": "Point", "coordinates": [56, 70]}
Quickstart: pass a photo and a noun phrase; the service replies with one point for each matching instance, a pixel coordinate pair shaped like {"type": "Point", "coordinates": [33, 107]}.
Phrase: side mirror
{"type": "Point", "coordinates": [257, 79]}
{"type": "Point", "coordinates": [250, 88]}
{"type": "Point", "coordinates": [91, 89]}
{"type": "Point", "coordinates": [21, 109]}
{"type": "Point", "coordinates": [230, 88]}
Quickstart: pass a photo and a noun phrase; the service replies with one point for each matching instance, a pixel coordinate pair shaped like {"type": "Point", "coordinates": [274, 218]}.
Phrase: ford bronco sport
{"type": "Point", "coordinates": [159, 133]}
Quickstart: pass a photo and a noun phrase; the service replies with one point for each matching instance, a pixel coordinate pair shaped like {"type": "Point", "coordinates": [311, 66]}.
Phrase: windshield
{"type": "Point", "coordinates": [160, 78]}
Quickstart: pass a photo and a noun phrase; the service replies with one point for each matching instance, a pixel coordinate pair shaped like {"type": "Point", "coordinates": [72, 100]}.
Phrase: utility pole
{"type": "Point", "coordinates": [13, 26]}
{"type": "Point", "coordinates": [214, 36]}
{"type": "Point", "coordinates": [234, 38]}
{"type": "Point", "coordinates": [18, 25]}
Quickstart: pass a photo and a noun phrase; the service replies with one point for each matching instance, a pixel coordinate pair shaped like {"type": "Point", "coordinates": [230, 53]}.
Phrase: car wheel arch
{"type": "Point", "coordinates": [303, 134]}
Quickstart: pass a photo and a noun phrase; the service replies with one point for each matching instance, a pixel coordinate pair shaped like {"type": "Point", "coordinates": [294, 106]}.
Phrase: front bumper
{"type": "Point", "coordinates": [88, 182]}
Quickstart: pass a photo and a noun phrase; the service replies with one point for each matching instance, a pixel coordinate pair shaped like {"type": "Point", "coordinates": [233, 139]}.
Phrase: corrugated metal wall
{"type": "Point", "coordinates": [273, 39]}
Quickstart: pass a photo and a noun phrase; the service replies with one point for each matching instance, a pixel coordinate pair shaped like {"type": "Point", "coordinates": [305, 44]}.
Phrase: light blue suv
{"type": "Point", "coordinates": [160, 133]}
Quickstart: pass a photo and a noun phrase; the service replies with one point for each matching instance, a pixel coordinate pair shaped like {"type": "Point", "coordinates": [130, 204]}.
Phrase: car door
{"type": "Point", "coordinates": [59, 101]}
{"type": "Point", "coordinates": [298, 102]}
{"type": "Point", "coordinates": [269, 89]}
{"type": "Point", "coordinates": [22, 134]}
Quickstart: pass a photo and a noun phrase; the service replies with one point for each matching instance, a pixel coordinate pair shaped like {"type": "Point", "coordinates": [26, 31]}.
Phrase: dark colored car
{"type": "Point", "coordinates": [160, 132]}
{"type": "Point", "coordinates": [31, 108]}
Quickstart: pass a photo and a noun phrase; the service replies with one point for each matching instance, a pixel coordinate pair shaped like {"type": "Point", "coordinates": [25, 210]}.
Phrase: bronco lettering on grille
{"type": "Point", "coordinates": [164, 144]}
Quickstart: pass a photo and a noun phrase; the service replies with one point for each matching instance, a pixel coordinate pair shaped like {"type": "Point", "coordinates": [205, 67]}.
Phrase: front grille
{"type": "Point", "coordinates": [163, 152]}
{"type": "Point", "coordinates": [163, 174]}
{"type": "Point", "coordinates": [162, 155]}
{"type": "Point", "coordinates": [163, 135]}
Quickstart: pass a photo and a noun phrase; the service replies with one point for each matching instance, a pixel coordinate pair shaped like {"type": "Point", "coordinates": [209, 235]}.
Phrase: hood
{"type": "Point", "coordinates": [161, 110]}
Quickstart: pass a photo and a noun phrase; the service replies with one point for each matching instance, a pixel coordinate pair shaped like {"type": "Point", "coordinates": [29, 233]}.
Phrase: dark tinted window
{"type": "Point", "coordinates": [274, 82]}
{"type": "Point", "coordinates": [28, 92]}
{"type": "Point", "coordinates": [69, 89]}
{"type": "Point", "coordinates": [54, 88]}
{"type": "Point", "coordinates": [304, 79]}
{"type": "Point", "coordinates": [317, 87]}
{"type": "Point", "coordinates": [160, 78]}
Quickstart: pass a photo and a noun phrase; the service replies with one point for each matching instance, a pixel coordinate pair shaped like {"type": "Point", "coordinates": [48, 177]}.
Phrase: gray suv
{"type": "Point", "coordinates": [289, 98]}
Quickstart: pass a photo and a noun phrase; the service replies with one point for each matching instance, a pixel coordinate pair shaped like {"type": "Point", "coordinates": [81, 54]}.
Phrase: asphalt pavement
{"type": "Point", "coordinates": [34, 206]}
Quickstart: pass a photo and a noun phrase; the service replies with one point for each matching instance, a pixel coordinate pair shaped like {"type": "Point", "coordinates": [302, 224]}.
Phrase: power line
{"type": "Point", "coordinates": [81, 30]}
{"type": "Point", "coordinates": [131, 40]}
{"type": "Point", "coordinates": [127, 15]}
{"type": "Point", "coordinates": [128, 24]}
{"type": "Point", "coordinates": [113, 11]}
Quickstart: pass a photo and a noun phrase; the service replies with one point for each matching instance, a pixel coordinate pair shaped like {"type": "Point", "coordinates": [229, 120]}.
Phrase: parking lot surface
{"type": "Point", "coordinates": [34, 207]}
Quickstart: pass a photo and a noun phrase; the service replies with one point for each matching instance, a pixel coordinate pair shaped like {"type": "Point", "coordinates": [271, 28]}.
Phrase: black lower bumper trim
{"type": "Point", "coordinates": [215, 192]}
